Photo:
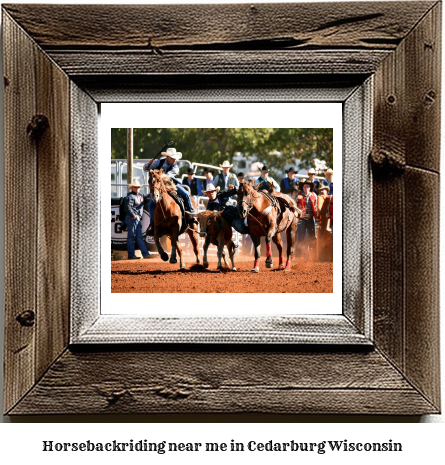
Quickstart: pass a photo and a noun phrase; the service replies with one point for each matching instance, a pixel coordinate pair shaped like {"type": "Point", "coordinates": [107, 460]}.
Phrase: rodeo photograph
{"type": "Point", "coordinates": [217, 210]}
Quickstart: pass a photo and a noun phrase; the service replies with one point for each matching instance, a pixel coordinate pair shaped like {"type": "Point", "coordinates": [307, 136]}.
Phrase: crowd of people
{"type": "Point", "coordinates": [221, 190]}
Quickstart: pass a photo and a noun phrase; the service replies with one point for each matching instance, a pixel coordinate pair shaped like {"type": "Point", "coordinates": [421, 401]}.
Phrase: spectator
{"type": "Point", "coordinates": [193, 183]}
{"type": "Point", "coordinates": [241, 177]}
{"type": "Point", "coordinates": [208, 179]}
{"type": "Point", "coordinates": [264, 178]}
{"type": "Point", "coordinates": [311, 176]}
{"type": "Point", "coordinates": [134, 209]}
{"type": "Point", "coordinates": [289, 180]}
{"type": "Point", "coordinates": [293, 191]}
{"type": "Point", "coordinates": [225, 179]}
{"type": "Point", "coordinates": [307, 203]}
{"type": "Point", "coordinates": [329, 174]}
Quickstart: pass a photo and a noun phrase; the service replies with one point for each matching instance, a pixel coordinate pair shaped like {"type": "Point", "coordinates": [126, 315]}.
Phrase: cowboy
{"type": "Point", "coordinates": [225, 179]}
{"type": "Point", "coordinates": [264, 178]}
{"type": "Point", "coordinates": [311, 176]}
{"type": "Point", "coordinates": [329, 174]}
{"type": "Point", "coordinates": [220, 201]}
{"type": "Point", "coordinates": [193, 183]}
{"type": "Point", "coordinates": [134, 209]}
{"type": "Point", "coordinates": [293, 191]}
{"type": "Point", "coordinates": [289, 180]}
{"type": "Point", "coordinates": [208, 178]}
{"type": "Point", "coordinates": [307, 202]}
{"type": "Point", "coordinates": [171, 169]}
{"type": "Point", "coordinates": [324, 191]}
{"type": "Point", "coordinates": [241, 177]}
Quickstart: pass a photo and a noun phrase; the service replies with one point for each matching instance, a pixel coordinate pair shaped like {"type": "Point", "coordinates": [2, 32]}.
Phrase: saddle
{"type": "Point", "coordinates": [178, 199]}
{"type": "Point", "coordinates": [288, 202]}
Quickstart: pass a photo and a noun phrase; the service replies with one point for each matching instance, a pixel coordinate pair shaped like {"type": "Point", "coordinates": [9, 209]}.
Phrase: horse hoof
{"type": "Point", "coordinates": [269, 264]}
{"type": "Point", "coordinates": [205, 264]}
{"type": "Point", "coordinates": [173, 260]}
{"type": "Point", "coordinates": [281, 267]}
{"type": "Point", "coordinates": [255, 270]}
{"type": "Point", "coordinates": [164, 256]}
{"type": "Point", "coordinates": [233, 269]}
{"type": "Point", "coordinates": [182, 267]}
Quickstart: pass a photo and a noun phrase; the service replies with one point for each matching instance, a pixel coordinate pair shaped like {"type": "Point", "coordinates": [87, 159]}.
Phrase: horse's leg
{"type": "Point", "coordinates": [193, 235]}
{"type": "Point", "coordinates": [231, 248]}
{"type": "Point", "coordinates": [279, 243]}
{"type": "Point", "coordinates": [269, 235]}
{"type": "Point", "coordinates": [161, 252]}
{"type": "Point", "coordinates": [291, 233]}
{"type": "Point", "coordinates": [205, 263]}
{"type": "Point", "coordinates": [176, 248]}
{"type": "Point", "coordinates": [257, 245]}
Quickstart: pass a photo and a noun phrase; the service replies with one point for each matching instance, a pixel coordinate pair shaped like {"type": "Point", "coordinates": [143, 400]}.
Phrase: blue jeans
{"type": "Point", "coordinates": [303, 227]}
{"type": "Point", "coordinates": [186, 197]}
{"type": "Point", "coordinates": [135, 233]}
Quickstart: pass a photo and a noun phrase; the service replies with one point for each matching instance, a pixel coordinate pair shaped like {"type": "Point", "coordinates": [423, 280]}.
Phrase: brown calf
{"type": "Point", "coordinates": [218, 232]}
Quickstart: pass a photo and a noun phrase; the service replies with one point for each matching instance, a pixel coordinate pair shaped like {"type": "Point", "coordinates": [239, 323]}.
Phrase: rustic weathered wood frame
{"type": "Point", "coordinates": [78, 56]}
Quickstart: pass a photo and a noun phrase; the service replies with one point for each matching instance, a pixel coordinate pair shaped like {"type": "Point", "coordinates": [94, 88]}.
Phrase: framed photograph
{"type": "Point", "coordinates": [73, 346]}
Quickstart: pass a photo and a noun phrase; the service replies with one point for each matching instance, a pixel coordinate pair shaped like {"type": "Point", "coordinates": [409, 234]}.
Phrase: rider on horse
{"type": "Point", "coordinates": [219, 201]}
{"type": "Point", "coordinates": [171, 169]}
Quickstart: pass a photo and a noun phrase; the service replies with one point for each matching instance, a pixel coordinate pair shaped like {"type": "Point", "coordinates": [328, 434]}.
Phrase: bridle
{"type": "Point", "coordinates": [250, 203]}
{"type": "Point", "coordinates": [162, 191]}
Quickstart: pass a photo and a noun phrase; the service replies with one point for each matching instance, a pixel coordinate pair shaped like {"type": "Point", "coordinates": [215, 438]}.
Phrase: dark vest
{"type": "Point", "coordinates": [193, 186]}
{"type": "Point", "coordinates": [221, 184]}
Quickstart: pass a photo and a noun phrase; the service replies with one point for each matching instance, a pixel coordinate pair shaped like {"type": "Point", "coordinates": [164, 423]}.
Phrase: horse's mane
{"type": "Point", "coordinates": [168, 183]}
{"type": "Point", "coordinates": [167, 180]}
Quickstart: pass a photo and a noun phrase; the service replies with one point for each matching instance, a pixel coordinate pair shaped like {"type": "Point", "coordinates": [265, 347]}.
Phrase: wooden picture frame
{"type": "Point", "coordinates": [77, 56]}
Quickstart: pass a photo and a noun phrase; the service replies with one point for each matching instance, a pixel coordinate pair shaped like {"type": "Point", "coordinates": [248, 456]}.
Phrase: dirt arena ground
{"type": "Point", "coordinates": [154, 275]}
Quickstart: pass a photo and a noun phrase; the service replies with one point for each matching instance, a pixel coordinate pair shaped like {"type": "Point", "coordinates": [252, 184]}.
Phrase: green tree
{"type": "Point", "coordinates": [276, 147]}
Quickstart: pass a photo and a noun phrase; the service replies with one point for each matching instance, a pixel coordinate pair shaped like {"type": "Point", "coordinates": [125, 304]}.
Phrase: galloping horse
{"type": "Point", "coordinates": [168, 218]}
{"type": "Point", "coordinates": [267, 217]}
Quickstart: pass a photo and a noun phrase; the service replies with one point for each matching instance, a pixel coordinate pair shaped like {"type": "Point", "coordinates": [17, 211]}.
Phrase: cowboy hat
{"type": "Point", "coordinates": [240, 175]}
{"type": "Point", "coordinates": [190, 171]}
{"type": "Point", "coordinates": [291, 189]}
{"type": "Point", "coordinates": [291, 169]}
{"type": "Point", "coordinates": [311, 171]}
{"type": "Point", "coordinates": [305, 181]}
{"type": "Point", "coordinates": [329, 171]}
{"type": "Point", "coordinates": [265, 168]}
{"type": "Point", "coordinates": [134, 184]}
{"type": "Point", "coordinates": [172, 153]}
{"type": "Point", "coordinates": [226, 164]}
{"type": "Point", "coordinates": [211, 188]}
{"type": "Point", "coordinates": [322, 188]}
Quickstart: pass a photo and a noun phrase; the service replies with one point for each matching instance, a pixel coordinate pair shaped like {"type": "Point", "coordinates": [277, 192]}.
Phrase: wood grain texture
{"type": "Point", "coordinates": [85, 236]}
{"type": "Point", "coordinates": [21, 212]}
{"type": "Point", "coordinates": [160, 27]}
{"type": "Point", "coordinates": [423, 91]}
{"type": "Point", "coordinates": [406, 277]}
{"type": "Point", "coordinates": [53, 205]}
{"type": "Point", "coordinates": [223, 382]}
{"type": "Point", "coordinates": [422, 282]}
{"type": "Point", "coordinates": [128, 63]}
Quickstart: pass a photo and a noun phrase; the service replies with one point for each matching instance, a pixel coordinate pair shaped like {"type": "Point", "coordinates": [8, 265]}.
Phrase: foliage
{"type": "Point", "coordinates": [276, 147]}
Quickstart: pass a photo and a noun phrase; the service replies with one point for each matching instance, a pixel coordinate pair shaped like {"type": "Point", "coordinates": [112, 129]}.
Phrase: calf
{"type": "Point", "coordinates": [218, 232]}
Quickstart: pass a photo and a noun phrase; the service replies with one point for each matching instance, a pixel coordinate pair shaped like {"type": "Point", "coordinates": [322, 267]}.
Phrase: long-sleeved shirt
{"type": "Point", "coordinates": [134, 204]}
{"type": "Point", "coordinates": [170, 170]}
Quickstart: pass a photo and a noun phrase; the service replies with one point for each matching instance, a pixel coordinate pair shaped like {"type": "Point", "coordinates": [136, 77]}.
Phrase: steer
{"type": "Point", "coordinates": [218, 232]}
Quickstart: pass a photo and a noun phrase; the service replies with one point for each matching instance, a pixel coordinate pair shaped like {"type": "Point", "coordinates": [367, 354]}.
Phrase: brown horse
{"type": "Point", "coordinates": [168, 219]}
{"type": "Point", "coordinates": [267, 216]}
